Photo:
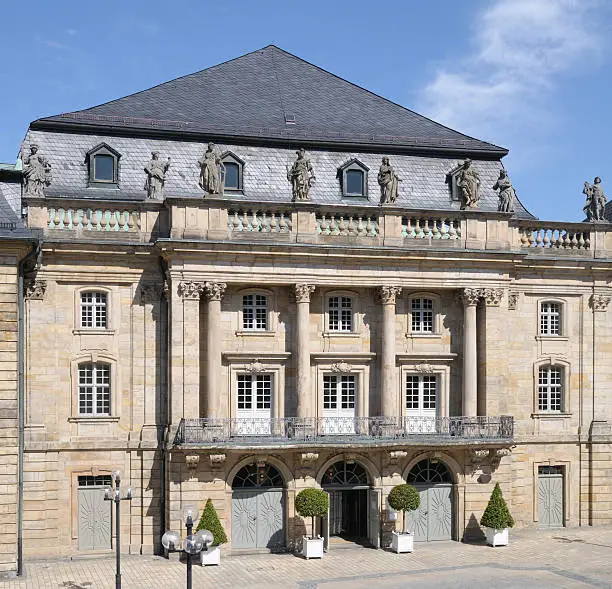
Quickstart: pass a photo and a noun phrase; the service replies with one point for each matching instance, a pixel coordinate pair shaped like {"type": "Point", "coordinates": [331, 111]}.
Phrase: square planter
{"type": "Point", "coordinates": [402, 542]}
{"type": "Point", "coordinates": [211, 556]}
{"type": "Point", "coordinates": [312, 547]}
{"type": "Point", "coordinates": [497, 537]}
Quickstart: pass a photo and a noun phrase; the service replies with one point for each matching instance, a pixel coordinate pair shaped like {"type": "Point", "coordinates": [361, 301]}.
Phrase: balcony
{"type": "Point", "coordinates": [344, 431]}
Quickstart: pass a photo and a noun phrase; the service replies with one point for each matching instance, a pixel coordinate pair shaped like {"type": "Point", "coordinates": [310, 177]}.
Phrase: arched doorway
{"type": "Point", "coordinates": [434, 518]}
{"type": "Point", "coordinates": [258, 508]}
{"type": "Point", "coordinates": [349, 508]}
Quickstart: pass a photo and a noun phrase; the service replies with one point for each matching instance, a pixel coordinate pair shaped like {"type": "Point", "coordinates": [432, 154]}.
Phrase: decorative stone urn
{"type": "Point", "coordinates": [312, 547]}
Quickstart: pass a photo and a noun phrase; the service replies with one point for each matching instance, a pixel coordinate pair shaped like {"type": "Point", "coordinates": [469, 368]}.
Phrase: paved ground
{"type": "Point", "coordinates": [559, 559]}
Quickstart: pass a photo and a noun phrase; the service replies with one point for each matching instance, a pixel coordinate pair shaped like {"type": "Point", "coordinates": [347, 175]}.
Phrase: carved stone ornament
{"type": "Point", "coordinates": [506, 193]}
{"type": "Point", "coordinates": [217, 460]}
{"type": "Point", "coordinates": [492, 296]}
{"type": "Point", "coordinates": [211, 171]}
{"type": "Point", "coordinates": [341, 367]}
{"type": "Point", "coordinates": [309, 457]}
{"type": "Point", "coordinates": [36, 173]}
{"type": "Point", "coordinates": [192, 461]}
{"type": "Point", "coordinates": [513, 300]}
{"type": "Point", "coordinates": [254, 367]}
{"type": "Point", "coordinates": [595, 205]}
{"type": "Point", "coordinates": [479, 456]}
{"type": "Point", "coordinates": [388, 182]}
{"type": "Point", "coordinates": [397, 455]}
{"type": "Point", "coordinates": [190, 289]}
{"type": "Point", "coordinates": [214, 291]}
{"type": "Point", "coordinates": [470, 296]}
{"type": "Point", "coordinates": [599, 302]}
{"type": "Point", "coordinates": [302, 292]}
{"type": "Point", "coordinates": [150, 293]}
{"type": "Point", "coordinates": [35, 289]}
{"type": "Point", "coordinates": [301, 176]}
{"type": "Point", "coordinates": [156, 176]}
{"type": "Point", "coordinates": [468, 185]}
{"type": "Point", "coordinates": [388, 294]}
{"type": "Point", "coordinates": [424, 368]}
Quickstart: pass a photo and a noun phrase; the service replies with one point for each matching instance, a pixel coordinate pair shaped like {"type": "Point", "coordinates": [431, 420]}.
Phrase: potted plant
{"type": "Point", "coordinates": [312, 503]}
{"type": "Point", "coordinates": [496, 519]}
{"type": "Point", "coordinates": [210, 521]}
{"type": "Point", "coordinates": [403, 498]}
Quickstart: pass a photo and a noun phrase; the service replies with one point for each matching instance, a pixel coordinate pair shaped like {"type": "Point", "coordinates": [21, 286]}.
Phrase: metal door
{"type": "Point", "coordinates": [258, 519]}
{"type": "Point", "coordinates": [550, 496]}
{"type": "Point", "coordinates": [374, 517]}
{"type": "Point", "coordinates": [433, 520]}
{"type": "Point", "coordinates": [94, 519]}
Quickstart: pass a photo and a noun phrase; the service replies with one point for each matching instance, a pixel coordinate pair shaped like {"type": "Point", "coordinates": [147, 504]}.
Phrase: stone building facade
{"type": "Point", "coordinates": [291, 330]}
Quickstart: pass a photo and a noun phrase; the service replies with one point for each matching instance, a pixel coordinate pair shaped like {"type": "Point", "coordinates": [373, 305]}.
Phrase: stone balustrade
{"type": "Point", "coordinates": [554, 236]}
{"type": "Point", "coordinates": [259, 221]}
{"type": "Point", "coordinates": [430, 227]}
{"type": "Point", "coordinates": [94, 219]}
{"type": "Point", "coordinates": [347, 224]}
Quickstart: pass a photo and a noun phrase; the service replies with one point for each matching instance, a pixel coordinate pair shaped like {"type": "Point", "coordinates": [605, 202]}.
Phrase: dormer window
{"type": "Point", "coordinates": [354, 179]}
{"type": "Point", "coordinates": [103, 166]}
{"type": "Point", "coordinates": [233, 172]}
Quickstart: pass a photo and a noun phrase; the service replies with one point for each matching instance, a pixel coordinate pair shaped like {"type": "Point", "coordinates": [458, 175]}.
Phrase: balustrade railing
{"type": "Point", "coordinates": [359, 225]}
{"type": "Point", "coordinates": [92, 219]}
{"type": "Point", "coordinates": [329, 430]}
{"type": "Point", "coordinates": [554, 237]}
{"type": "Point", "coordinates": [259, 221]}
{"type": "Point", "coordinates": [422, 227]}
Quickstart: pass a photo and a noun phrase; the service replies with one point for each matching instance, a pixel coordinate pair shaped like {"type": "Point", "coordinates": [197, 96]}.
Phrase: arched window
{"type": "Point", "coordinates": [340, 313]}
{"type": "Point", "coordinates": [94, 389]}
{"type": "Point", "coordinates": [254, 312]}
{"type": "Point", "coordinates": [257, 476]}
{"type": "Point", "coordinates": [345, 473]}
{"type": "Point", "coordinates": [422, 313]}
{"type": "Point", "coordinates": [429, 471]}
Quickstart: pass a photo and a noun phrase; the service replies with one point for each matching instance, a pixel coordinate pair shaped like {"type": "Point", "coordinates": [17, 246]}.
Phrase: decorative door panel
{"type": "Point", "coordinates": [94, 519]}
{"type": "Point", "coordinates": [439, 513]}
{"type": "Point", "coordinates": [550, 500]}
{"type": "Point", "coordinates": [417, 520]}
{"type": "Point", "coordinates": [374, 517]}
{"type": "Point", "coordinates": [244, 519]}
{"type": "Point", "coordinates": [258, 519]}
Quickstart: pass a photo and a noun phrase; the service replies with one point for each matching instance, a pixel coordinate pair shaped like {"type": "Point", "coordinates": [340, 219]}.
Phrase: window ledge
{"type": "Point", "coordinates": [255, 333]}
{"type": "Point", "coordinates": [552, 338]}
{"type": "Point", "coordinates": [341, 334]}
{"type": "Point", "coordinates": [424, 335]}
{"type": "Point", "coordinates": [93, 331]}
{"type": "Point", "coordinates": [93, 419]}
{"type": "Point", "coordinates": [550, 414]}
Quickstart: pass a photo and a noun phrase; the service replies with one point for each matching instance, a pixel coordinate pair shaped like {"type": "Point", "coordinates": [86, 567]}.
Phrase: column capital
{"type": "Point", "coordinates": [302, 292]}
{"type": "Point", "coordinates": [470, 296]}
{"type": "Point", "coordinates": [599, 302]}
{"type": "Point", "coordinates": [214, 291]}
{"type": "Point", "coordinates": [388, 294]}
{"type": "Point", "coordinates": [35, 289]}
{"type": "Point", "coordinates": [189, 289]}
{"type": "Point", "coordinates": [492, 296]}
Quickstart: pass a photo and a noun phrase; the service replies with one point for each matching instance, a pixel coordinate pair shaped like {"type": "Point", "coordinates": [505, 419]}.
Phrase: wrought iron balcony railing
{"type": "Point", "coordinates": [339, 430]}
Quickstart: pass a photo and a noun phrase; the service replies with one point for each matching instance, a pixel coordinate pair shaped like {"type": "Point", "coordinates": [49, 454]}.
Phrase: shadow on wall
{"type": "Point", "coordinates": [300, 529]}
{"type": "Point", "coordinates": [473, 533]}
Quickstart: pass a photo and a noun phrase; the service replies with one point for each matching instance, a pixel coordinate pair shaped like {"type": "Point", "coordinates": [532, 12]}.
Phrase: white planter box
{"type": "Point", "coordinates": [402, 542]}
{"type": "Point", "coordinates": [312, 547]}
{"type": "Point", "coordinates": [211, 556]}
{"type": "Point", "coordinates": [497, 537]}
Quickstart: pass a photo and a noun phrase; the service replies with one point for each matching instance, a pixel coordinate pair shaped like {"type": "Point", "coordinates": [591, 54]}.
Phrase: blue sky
{"type": "Point", "coordinates": [532, 75]}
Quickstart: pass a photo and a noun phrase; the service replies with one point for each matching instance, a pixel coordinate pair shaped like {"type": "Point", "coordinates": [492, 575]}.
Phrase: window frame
{"type": "Point", "coordinates": [253, 314]}
{"type": "Point", "coordinates": [565, 369]}
{"type": "Point", "coordinates": [353, 165]}
{"type": "Point", "coordinates": [110, 306]}
{"type": "Point", "coordinates": [271, 315]}
{"type": "Point", "coordinates": [232, 158]}
{"type": "Point", "coordinates": [101, 391]}
{"type": "Point", "coordinates": [436, 365]}
{"type": "Point", "coordinates": [353, 313]}
{"type": "Point", "coordinates": [436, 319]}
{"type": "Point", "coordinates": [94, 305]}
{"type": "Point", "coordinates": [90, 157]}
{"type": "Point", "coordinates": [561, 318]}
{"type": "Point", "coordinates": [95, 357]}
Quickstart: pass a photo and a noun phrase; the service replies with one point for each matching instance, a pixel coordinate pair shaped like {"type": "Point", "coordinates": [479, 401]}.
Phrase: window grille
{"type": "Point", "coordinates": [94, 389]}
{"type": "Point", "coordinates": [339, 391]}
{"type": "Point", "coordinates": [94, 310]}
{"type": "Point", "coordinates": [254, 391]}
{"type": "Point", "coordinates": [421, 391]}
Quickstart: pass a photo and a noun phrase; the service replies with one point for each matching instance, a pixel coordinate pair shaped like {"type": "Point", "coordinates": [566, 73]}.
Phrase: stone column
{"type": "Point", "coordinates": [185, 350]}
{"type": "Point", "coordinates": [389, 394]}
{"type": "Point", "coordinates": [470, 298]}
{"type": "Point", "coordinates": [213, 291]}
{"type": "Point", "coordinates": [304, 393]}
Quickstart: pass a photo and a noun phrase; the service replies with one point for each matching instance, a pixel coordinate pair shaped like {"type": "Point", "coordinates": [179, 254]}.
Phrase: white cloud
{"type": "Point", "coordinates": [520, 48]}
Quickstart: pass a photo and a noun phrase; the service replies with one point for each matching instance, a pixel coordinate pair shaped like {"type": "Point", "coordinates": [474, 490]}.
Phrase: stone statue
{"type": "Point", "coordinates": [468, 183]}
{"type": "Point", "coordinates": [211, 171]}
{"type": "Point", "coordinates": [595, 201]}
{"type": "Point", "coordinates": [388, 181]}
{"type": "Point", "coordinates": [156, 176]}
{"type": "Point", "coordinates": [506, 192]}
{"type": "Point", "coordinates": [36, 173]}
{"type": "Point", "coordinates": [301, 175]}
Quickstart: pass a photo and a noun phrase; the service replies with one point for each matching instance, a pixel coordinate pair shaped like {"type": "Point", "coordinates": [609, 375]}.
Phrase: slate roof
{"type": "Point", "coordinates": [251, 96]}
{"type": "Point", "coordinates": [11, 224]}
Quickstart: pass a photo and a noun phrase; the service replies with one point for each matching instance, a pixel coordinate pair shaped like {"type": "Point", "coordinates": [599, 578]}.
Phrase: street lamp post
{"type": "Point", "coordinates": [115, 495]}
{"type": "Point", "coordinates": [193, 544]}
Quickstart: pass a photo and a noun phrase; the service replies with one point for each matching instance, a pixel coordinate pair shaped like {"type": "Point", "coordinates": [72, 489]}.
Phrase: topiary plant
{"type": "Point", "coordinates": [404, 498]}
{"type": "Point", "coordinates": [312, 503]}
{"type": "Point", "coordinates": [497, 515]}
{"type": "Point", "coordinates": [210, 521]}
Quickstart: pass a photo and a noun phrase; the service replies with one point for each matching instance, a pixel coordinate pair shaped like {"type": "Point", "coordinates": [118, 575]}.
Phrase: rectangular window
{"type": "Point", "coordinates": [340, 314]}
{"type": "Point", "coordinates": [104, 480]}
{"type": "Point", "coordinates": [422, 316]}
{"type": "Point", "coordinates": [550, 389]}
{"type": "Point", "coordinates": [255, 312]}
{"type": "Point", "coordinates": [254, 391]}
{"type": "Point", "coordinates": [339, 391]}
{"type": "Point", "coordinates": [94, 313]}
{"type": "Point", "coordinates": [550, 319]}
{"type": "Point", "coordinates": [94, 389]}
{"type": "Point", "coordinates": [421, 394]}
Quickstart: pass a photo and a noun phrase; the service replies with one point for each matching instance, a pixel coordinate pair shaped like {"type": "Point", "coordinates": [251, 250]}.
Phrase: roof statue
{"type": "Point", "coordinates": [388, 182]}
{"type": "Point", "coordinates": [506, 192]}
{"type": "Point", "coordinates": [595, 201]}
{"type": "Point", "coordinates": [156, 176]}
{"type": "Point", "coordinates": [211, 169]}
{"type": "Point", "coordinates": [468, 183]}
{"type": "Point", "coordinates": [301, 175]}
{"type": "Point", "coordinates": [36, 173]}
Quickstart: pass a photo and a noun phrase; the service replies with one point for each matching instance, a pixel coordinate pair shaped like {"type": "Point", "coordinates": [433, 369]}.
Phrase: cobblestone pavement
{"type": "Point", "coordinates": [562, 559]}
